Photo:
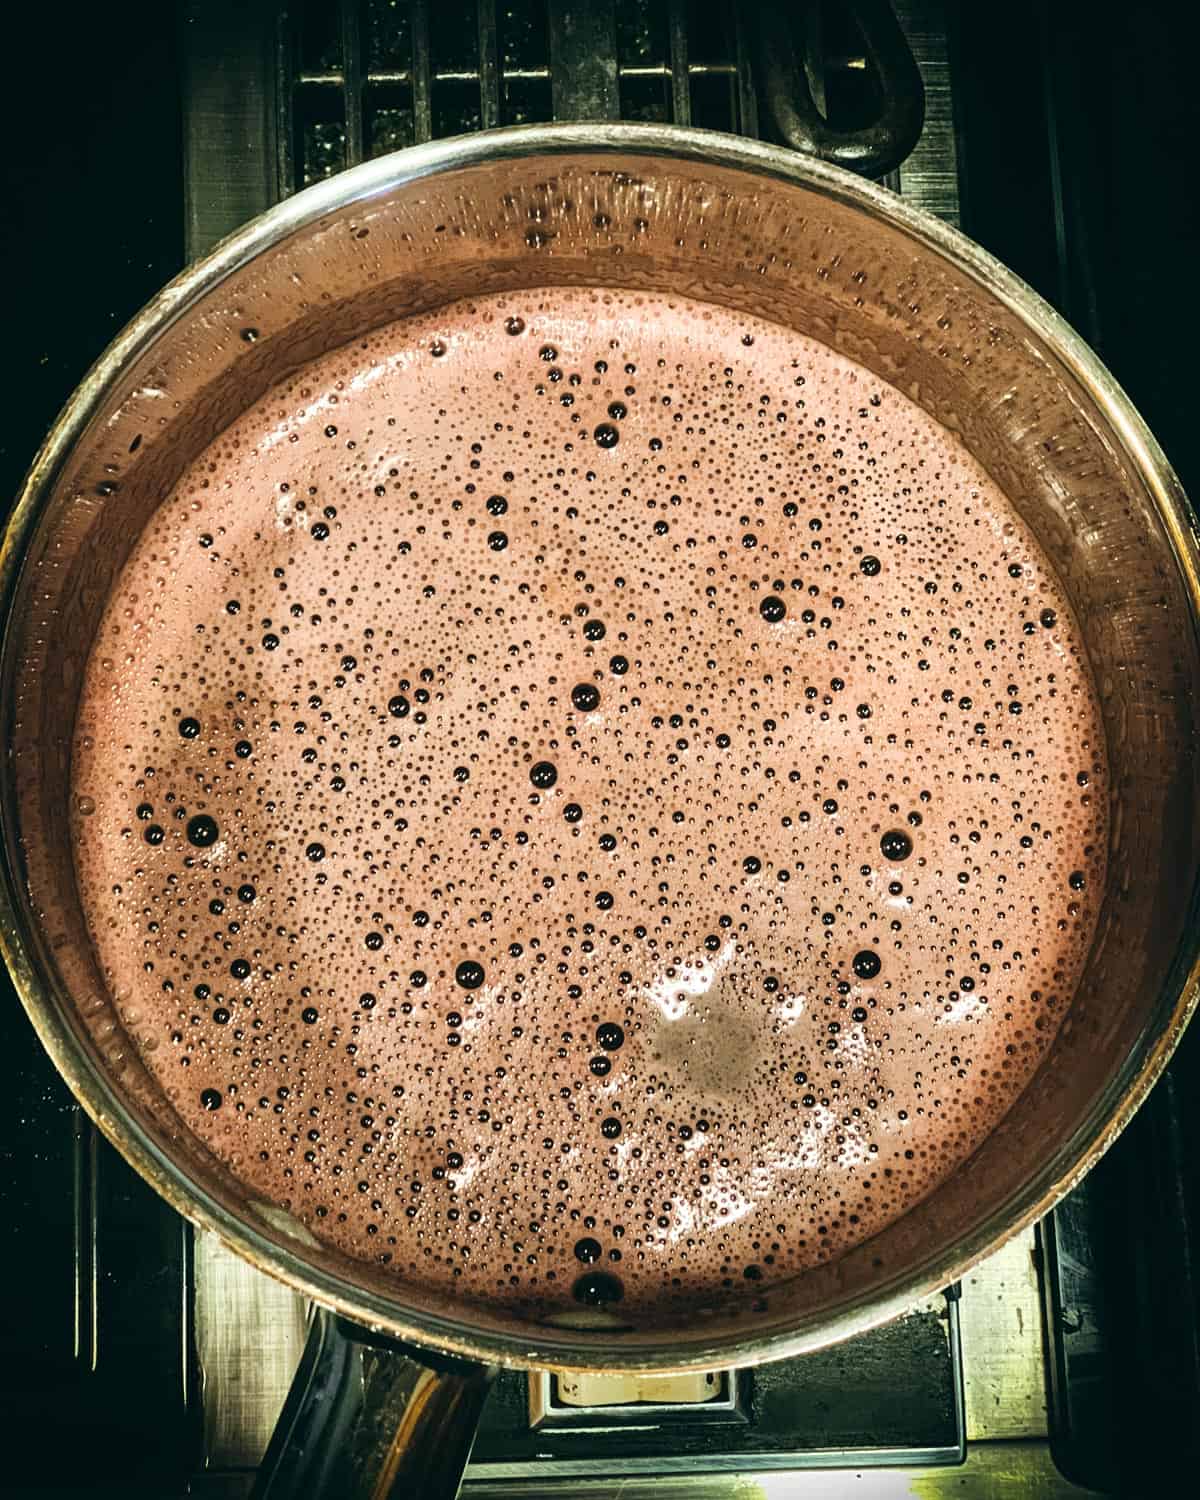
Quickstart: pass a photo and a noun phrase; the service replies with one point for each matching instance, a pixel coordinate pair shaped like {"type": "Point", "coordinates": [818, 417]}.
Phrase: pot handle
{"type": "Point", "coordinates": [787, 93]}
{"type": "Point", "coordinates": [368, 1419]}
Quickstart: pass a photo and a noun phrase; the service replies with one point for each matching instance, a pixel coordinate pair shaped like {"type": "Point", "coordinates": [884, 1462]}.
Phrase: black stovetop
{"type": "Point", "coordinates": [131, 139]}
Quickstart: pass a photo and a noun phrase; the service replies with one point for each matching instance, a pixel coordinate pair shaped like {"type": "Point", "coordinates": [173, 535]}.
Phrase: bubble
{"type": "Point", "coordinates": [202, 831]}
{"type": "Point", "coordinates": [598, 1289]}
{"type": "Point", "coordinates": [543, 775]}
{"type": "Point", "coordinates": [895, 845]}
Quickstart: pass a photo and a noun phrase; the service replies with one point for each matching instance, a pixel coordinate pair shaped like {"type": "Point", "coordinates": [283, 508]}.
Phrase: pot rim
{"type": "Point", "coordinates": [540, 1346]}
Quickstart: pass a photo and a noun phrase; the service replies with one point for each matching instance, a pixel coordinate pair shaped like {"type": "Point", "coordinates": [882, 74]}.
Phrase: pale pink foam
{"type": "Point", "coordinates": [473, 1153]}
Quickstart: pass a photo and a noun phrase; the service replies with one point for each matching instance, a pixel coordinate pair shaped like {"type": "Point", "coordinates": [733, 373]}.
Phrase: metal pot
{"type": "Point", "coordinates": [727, 221]}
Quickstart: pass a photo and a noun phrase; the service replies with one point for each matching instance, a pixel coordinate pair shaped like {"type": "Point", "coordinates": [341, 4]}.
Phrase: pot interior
{"type": "Point", "coordinates": [729, 223]}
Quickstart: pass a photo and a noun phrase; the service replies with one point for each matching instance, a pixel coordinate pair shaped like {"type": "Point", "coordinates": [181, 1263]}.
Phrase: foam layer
{"type": "Point", "coordinates": [589, 796]}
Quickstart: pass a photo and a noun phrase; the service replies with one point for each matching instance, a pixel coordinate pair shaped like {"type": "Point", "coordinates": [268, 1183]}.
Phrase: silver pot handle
{"type": "Point", "coordinates": [366, 1419]}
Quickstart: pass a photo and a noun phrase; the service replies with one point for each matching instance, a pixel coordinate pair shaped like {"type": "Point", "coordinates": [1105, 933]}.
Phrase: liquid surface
{"type": "Point", "coordinates": [586, 796]}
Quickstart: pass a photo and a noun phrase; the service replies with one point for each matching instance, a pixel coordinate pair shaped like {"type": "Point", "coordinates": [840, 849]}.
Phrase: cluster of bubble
{"type": "Point", "coordinates": [590, 797]}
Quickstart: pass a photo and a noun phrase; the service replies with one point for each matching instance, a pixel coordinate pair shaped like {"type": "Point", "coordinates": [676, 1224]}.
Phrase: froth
{"type": "Point", "coordinates": [590, 796]}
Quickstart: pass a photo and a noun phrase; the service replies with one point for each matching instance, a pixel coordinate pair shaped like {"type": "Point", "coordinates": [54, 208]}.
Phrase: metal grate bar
{"type": "Point", "coordinates": [681, 93]}
{"type": "Point", "coordinates": [422, 73]}
{"type": "Point", "coordinates": [583, 59]}
{"type": "Point", "coordinates": [335, 79]}
{"type": "Point", "coordinates": [747, 120]}
{"type": "Point", "coordinates": [489, 66]}
{"type": "Point", "coordinates": [352, 93]}
{"type": "Point", "coordinates": [232, 141]}
{"type": "Point", "coordinates": [285, 106]}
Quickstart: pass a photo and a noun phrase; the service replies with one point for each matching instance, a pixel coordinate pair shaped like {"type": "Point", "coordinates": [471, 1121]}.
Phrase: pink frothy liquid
{"type": "Point", "coordinates": [595, 796]}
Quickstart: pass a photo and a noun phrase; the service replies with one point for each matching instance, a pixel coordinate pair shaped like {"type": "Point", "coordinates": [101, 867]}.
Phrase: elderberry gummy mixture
{"type": "Point", "coordinates": [588, 796]}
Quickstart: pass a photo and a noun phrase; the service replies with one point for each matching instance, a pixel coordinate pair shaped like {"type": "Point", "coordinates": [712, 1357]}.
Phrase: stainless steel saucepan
{"type": "Point", "coordinates": [749, 227]}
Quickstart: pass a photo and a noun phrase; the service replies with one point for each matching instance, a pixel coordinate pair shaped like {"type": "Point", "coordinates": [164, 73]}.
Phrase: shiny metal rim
{"type": "Point", "coordinates": [545, 1347]}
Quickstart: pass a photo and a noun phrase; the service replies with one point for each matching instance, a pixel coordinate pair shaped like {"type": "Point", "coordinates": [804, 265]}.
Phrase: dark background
{"type": "Point", "coordinates": [1079, 126]}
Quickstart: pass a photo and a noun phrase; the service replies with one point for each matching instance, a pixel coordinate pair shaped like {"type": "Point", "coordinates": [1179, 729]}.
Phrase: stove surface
{"type": "Point", "coordinates": [143, 1359]}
